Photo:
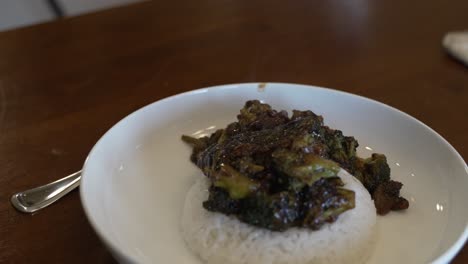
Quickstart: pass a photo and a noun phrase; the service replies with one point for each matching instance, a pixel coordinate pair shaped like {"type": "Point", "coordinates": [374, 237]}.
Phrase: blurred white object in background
{"type": "Point", "coordinates": [456, 44]}
{"type": "Point", "coordinates": [77, 7]}
{"type": "Point", "coordinates": [18, 13]}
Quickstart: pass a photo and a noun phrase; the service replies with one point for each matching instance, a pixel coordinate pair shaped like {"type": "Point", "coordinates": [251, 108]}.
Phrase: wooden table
{"type": "Point", "coordinates": [63, 84]}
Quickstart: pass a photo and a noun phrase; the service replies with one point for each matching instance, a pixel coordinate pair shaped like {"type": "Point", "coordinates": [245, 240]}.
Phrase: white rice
{"type": "Point", "coordinates": [219, 239]}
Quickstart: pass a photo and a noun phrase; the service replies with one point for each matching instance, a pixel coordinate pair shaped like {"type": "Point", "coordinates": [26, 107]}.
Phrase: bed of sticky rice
{"type": "Point", "coordinates": [219, 239]}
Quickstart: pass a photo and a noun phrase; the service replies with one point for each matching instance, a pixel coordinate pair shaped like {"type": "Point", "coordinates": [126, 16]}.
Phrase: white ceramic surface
{"type": "Point", "coordinates": [135, 178]}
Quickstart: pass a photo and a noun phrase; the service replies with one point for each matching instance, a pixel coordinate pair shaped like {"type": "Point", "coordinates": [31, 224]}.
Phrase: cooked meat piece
{"type": "Point", "coordinates": [387, 197]}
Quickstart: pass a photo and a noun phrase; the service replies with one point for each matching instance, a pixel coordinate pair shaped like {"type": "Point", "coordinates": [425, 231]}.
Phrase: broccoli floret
{"type": "Point", "coordinates": [341, 149]}
{"type": "Point", "coordinates": [220, 201]}
{"type": "Point", "coordinates": [308, 168]}
{"type": "Point", "coordinates": [235, 183]}
{"type": "Point", "coordinates": [310, 207]}
{"type": "Point", "coordinates": [256, 116]}
{"type": "Point", "coordinates": [276, 212]}
{"type": "Point", "coordinates": [375, 171]}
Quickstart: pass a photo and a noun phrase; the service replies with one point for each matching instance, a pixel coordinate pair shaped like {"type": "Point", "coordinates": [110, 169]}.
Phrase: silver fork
{"type": "Point", "coordinates": [37, 198]}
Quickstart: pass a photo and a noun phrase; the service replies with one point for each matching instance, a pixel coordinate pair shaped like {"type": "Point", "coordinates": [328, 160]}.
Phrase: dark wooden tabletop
{"type": "Point", "coordinates": [64, 83]}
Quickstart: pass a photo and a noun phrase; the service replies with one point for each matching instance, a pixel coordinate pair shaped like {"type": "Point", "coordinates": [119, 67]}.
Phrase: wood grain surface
{"type": "Point", "coordinates": [64, 83]}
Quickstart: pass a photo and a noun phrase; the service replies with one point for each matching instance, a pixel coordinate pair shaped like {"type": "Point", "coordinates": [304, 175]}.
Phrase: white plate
{"type": "Point", "coordinates": [136, 176]}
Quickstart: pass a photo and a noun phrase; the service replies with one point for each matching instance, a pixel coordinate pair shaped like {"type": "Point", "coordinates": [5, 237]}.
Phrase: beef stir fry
{"type": "Point", "coordinates": [276, 172]}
